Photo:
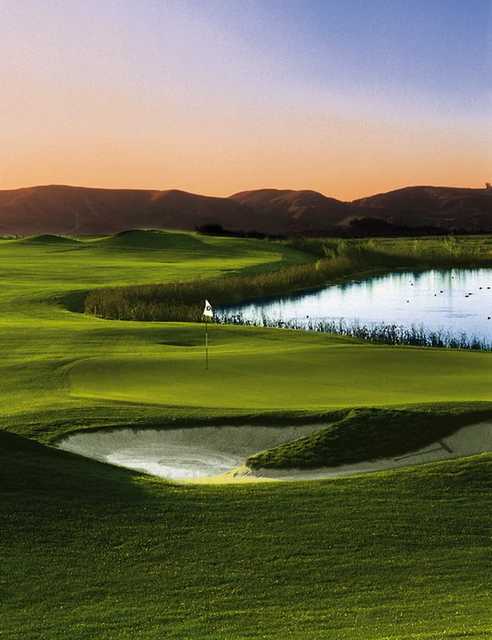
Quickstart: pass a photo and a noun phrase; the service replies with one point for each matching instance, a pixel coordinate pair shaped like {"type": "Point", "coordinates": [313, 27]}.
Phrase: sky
{"type": "Point", "coordinates": [349, 97]}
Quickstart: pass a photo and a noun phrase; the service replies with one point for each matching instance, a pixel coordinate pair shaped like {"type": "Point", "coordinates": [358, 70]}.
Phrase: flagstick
{"type": "Point", "coordinates": [206, 343]}
{"type": "Point", "coordinates": [208, 312]}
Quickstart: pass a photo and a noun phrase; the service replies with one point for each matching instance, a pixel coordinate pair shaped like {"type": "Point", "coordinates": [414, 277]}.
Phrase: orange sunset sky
{"type": "Point", "coordinates": [215, 97]}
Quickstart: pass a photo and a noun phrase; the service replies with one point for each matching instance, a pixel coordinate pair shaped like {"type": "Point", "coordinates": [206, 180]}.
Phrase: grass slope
{"type": "Point", "coordinates": [369, 434]}
{"type": "Point", "coordinates": [93, 551]}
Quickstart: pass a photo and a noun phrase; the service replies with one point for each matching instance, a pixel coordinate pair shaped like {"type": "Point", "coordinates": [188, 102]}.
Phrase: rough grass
{"type": "Point", "coordinates": [369, 434]}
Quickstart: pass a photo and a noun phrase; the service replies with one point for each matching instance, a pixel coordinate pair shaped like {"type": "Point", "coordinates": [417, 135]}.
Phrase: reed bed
{"type": "Point", "coordinates": [377, 333]}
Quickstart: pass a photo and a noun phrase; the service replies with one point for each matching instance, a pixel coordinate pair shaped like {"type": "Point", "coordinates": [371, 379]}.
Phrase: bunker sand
{"type": "Point", "coordinates": [189, 453]}
{"type": "Point", "coordinates": [218, 454]}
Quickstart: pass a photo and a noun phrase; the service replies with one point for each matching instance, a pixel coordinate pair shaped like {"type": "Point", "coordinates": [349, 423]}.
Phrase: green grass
{"type": "Point", "coordinates": [369, 434]}
{"type": "Point", "coordinates": [93, 551]}
{"type": "Point", "coordinates": [90, 551]}
{"type": "Point", "coordinates": [250, 370]}
{"type": "Point", "coordinates": [40, 339]}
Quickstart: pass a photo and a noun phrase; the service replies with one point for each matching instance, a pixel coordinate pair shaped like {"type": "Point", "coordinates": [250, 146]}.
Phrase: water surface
{"type": "Point", "coordinates": [454, 300]}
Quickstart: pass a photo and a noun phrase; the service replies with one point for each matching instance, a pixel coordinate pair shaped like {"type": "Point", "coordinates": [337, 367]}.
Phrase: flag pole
{"type": "Point", "coordinates": [208, 312]}
{"type": "Point", "coordinates": [206, 343]}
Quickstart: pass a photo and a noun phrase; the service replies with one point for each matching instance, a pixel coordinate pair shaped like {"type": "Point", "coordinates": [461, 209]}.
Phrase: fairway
{"type": "Point", "coordinates": [96, 551]}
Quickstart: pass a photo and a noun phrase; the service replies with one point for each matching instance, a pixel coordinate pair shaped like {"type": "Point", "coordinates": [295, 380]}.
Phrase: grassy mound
{"type": "Point", "coordinates": [32, 470]}
{"type": "Point", "coordinates": [369, 434]}
{"type": "Point", "coordinates": [49, 239]}
{"type": "Point", "coordinates": [153, 239]}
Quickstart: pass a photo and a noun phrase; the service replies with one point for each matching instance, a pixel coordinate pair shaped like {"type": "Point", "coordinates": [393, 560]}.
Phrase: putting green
{"type": "Point", "coordinates": [272, 375]}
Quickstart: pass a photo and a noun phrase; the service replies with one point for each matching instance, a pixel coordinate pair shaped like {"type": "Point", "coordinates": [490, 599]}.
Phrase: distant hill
{"type": "Point", "coordinates": [79, 210]}
{"type": "Point", "coordinates": [286, 211]}
{"type": "Point", "coordinates": [68, 210]}
{"type": "Point", "coordinates": [442, 207]}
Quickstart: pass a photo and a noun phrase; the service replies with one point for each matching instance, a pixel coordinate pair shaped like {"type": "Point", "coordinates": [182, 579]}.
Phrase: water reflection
{"type": "Point", "coordinates": [456, 300]}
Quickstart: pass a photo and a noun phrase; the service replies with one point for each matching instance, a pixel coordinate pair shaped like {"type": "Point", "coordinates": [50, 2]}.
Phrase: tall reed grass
{"type": "Point", "coordinates": [337, 259]}
{"type": "Point", "coordinates": [377, 333]}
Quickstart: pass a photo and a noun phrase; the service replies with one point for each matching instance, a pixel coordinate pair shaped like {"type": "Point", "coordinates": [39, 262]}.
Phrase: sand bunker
{"type": "Point", "coordinates": [181, 454]}
{"type": "Point", "coordinates": [214, 454]}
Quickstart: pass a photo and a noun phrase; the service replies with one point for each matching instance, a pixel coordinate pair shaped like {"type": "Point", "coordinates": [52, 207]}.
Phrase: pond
{"type": "Point", "coordinates": [456, 301]}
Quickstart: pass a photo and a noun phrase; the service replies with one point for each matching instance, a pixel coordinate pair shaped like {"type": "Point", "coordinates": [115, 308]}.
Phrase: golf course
{"type": "Point", "coordinates": [95, 550]}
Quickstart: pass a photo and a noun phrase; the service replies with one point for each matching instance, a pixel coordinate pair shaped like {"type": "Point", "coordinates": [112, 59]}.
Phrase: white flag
{"type": "Point", "coordinates": [208, 312]}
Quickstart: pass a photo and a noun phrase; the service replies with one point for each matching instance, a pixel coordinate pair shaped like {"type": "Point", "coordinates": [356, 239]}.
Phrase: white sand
{"type": "Point", "coordinates": [181, 454]}
{"type": "Point", "coordinates": [217, 454]}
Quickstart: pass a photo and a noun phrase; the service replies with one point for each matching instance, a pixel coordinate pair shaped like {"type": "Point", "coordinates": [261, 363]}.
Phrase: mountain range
{"type": "Point", "coordinates": [58, 209]}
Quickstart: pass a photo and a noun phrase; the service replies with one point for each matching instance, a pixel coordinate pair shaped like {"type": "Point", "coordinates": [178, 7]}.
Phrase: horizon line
{"type": "Point", "coordinates": [225, 197]}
